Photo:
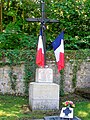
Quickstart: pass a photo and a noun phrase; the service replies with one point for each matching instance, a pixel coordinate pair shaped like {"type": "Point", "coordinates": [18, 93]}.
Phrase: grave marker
{"type": "Point", "coordinates": [43, 93]}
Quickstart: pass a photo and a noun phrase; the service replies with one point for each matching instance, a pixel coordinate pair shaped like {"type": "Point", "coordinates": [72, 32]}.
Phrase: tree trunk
{"type": "Point", "coordinates": [0, 17]}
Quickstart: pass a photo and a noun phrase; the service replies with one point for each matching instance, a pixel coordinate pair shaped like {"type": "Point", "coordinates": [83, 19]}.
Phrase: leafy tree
{"type": "Point", "coordinates": [73, 17]}
{"type": "Point", "coordinates": [14, 38]}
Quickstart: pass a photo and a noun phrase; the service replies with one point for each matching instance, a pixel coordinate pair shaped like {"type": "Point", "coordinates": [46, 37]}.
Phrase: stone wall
{"type": "Point", "coordinates": [82, 75]}
{"type": "Point", "coordinates": [7, 78]}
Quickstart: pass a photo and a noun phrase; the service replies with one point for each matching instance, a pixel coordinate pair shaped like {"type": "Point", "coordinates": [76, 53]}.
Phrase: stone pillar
{"type": "Point", "coordinates": [44, 94]}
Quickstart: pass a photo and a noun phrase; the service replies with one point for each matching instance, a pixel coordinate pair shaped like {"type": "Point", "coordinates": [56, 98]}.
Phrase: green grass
{"type": "Point", "coordinates": [82, 110]}
{"type": "Point", "coordinates": [17, 108]}
{"type": "Point", "coordinates": [11, 107]}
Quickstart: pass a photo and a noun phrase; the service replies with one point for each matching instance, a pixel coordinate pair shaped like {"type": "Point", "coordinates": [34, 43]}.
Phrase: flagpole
{"type": "Point", "coordinates": [43, 28]}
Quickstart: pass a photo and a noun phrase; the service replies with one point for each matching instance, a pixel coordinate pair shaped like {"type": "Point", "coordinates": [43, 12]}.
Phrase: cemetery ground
{"type": "Point", "coordinates": [17, 108]}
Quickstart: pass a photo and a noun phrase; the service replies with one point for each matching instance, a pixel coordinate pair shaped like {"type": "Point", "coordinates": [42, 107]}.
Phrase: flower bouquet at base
{"type": "Point", "coordinates": [68, 104]}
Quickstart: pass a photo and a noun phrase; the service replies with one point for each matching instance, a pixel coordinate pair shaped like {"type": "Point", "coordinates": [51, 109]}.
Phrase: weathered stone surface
{"type": "Point", "coordinates": [56, 74]}
{"type": "Point", "coordinates": [44, 75]}
{"type": "Point", "coordinates": [5, 80]}
{"type": "Point", "coordinates": [43, 96]}
{"type": "Point", "coordinates": [82, 77]}
{"type": "Point", "coordinates": [68, 75]}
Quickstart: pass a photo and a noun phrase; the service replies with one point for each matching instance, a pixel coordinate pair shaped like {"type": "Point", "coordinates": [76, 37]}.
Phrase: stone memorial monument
{"type": "Point", "coordinates": [44, 94]}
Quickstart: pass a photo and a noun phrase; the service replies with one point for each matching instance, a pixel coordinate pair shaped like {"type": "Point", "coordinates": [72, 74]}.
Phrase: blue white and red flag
{"type": "Point", "coordinates": [58, 46]}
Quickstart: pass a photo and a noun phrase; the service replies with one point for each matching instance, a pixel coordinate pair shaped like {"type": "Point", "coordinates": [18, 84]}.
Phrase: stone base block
{"type": "Point", "coordinates": [43, 96]}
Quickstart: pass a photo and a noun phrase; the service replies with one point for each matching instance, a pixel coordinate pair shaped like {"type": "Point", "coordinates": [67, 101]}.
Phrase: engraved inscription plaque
{"type": "Point", "coordinates": [44, 75]}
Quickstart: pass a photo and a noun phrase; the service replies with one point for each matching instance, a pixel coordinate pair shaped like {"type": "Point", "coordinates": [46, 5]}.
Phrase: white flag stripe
{"type": "Point", "coordinates": [40, 44]}
{"type": "Point", "coordinates": [58, 50]}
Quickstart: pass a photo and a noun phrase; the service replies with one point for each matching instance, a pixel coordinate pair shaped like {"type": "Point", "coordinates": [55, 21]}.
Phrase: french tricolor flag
{"type": "Point", "coordinates": [40, 52]}
{"type": "Point", "coordinates": [58, 46]}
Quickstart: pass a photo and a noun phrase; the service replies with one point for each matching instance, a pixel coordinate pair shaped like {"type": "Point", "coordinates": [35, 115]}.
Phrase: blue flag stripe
{"type": "Point", "coordinates": [41, 31]}
{"type": "Point", "coordinates": [56, 43]}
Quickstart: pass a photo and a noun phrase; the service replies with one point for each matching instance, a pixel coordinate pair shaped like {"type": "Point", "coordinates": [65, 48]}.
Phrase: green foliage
{"type": "Point", "coordinates": [30, 69]}
{"type": "Point", "coordinates": [17, 57]}
{"type": "Point", "coordinates": [18, 34]}
{"type": "Point", "coordinates": [62, 83]}
{"type": "Point", "coordinates": [73, 17]}
{"type": "Point", "coordinates": [27, 57]}
{"type": "Point", "coordinates": [76, 58]}
{"type": "Point", "coordinates": [14, 38]}
{"type": "Point", "coordinates": [13, 78]}
{"type": "Point", "coordinates": [74, 79]}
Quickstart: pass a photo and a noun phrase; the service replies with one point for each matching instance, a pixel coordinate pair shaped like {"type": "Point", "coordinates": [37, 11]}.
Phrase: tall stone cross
{"type": "Point", "coordinates": [43, 21]}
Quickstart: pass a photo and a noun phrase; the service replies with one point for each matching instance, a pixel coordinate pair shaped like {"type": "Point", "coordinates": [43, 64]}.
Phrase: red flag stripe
{"type": "Point", "coordinates": [40, 58]}
{"type": "Point", "coordinates": [60, 63]}
{"type": "Point", "coordinates": [40, 52]}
